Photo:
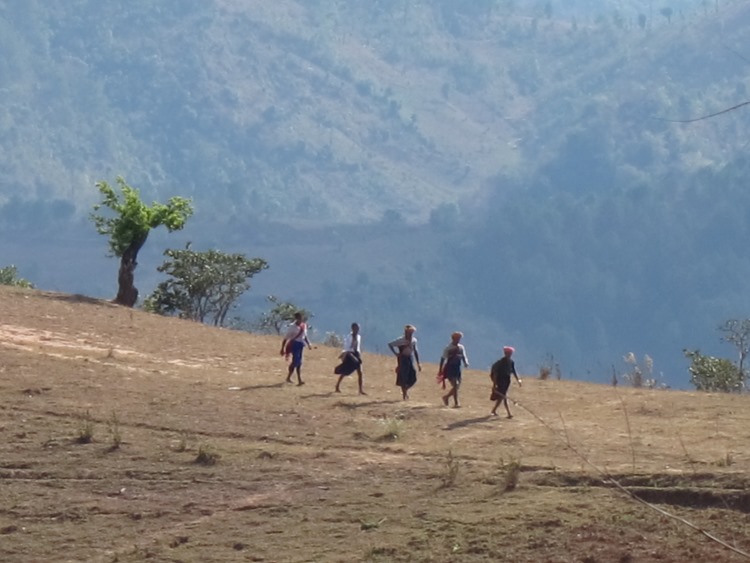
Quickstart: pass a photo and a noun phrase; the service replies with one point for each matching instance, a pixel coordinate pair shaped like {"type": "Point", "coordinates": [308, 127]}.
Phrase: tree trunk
{"type": "Point", "coordinates": [127, 293]}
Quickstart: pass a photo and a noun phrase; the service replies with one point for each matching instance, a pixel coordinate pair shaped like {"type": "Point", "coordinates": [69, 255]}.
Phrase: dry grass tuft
{"type": "Point", "coordinates": [451, 468]}
{"type": "Point", "coordinates": [207, 455]}
{"type": "Point", "coordinates": [393, 429]}
{"type": "Point", "coordinates": [115, 435]}
{"type": "Point", "coordinates": [85, 429]}
{"type": "Point", "coordinates": [510, 472]}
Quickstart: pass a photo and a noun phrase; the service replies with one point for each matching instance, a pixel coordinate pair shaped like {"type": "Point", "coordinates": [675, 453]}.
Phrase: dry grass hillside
{"type": "Point", "coordinates": [129, 437]}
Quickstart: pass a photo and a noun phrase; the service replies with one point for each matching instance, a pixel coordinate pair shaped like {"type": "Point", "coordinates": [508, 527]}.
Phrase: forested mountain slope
{"type": "Point", "coordinates": [340, 111]}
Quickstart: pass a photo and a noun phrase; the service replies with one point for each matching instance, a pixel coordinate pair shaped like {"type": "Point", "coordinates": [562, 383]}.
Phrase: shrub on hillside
{"type": "Point", "coordinates": [708, 373]}
{"type": "Point", "coordinates": [9, 276]}
{"type": "Point", "coordinates": [202, 285]}
{"type": "Point", "coordinates": [278, 318]}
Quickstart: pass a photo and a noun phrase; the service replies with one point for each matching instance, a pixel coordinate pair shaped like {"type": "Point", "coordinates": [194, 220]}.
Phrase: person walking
{"type": "Point", "coordinates": [500, 374]}
{"type": "Point", "coordinates": [351, 359]}
{"type": "Point", "coordinates": [453, 359]}
{"type": "Point", "coordinates": [407, 354]}
{"type": "Point", "coordinates": [293, 345]}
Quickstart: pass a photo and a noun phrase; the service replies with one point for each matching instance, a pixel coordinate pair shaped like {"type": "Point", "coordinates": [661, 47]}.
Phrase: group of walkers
{"type": "Point", "coordinates": [452, 361]}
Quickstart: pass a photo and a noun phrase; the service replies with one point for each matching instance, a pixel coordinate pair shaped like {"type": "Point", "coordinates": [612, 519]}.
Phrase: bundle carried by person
{"type": "Point", "coordinates": [350, 361]}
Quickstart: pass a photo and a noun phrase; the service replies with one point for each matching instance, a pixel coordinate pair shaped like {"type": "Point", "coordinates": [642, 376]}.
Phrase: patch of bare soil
{"type": "Point", "coordinates": [129, 437]}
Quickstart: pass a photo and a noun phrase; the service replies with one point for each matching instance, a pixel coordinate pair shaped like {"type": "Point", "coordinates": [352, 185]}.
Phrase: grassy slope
{"type": "Point", "coordinates": [307, 475]}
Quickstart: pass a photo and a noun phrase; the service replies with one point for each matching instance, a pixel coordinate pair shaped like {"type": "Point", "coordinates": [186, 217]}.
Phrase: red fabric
{"type": "Point", "coordinates": [288, 347]}
{"type": "Point", "coordinates": [441, 379]}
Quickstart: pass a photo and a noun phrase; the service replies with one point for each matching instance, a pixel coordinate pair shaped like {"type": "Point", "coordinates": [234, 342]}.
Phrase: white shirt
{"type": "Point", "coordinates": [352, 343]}
{"type": "Point", "coordinates": [295, 332]}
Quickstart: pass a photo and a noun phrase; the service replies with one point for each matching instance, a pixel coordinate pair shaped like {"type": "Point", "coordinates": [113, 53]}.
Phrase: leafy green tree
{"type": "Point", "coordinates": [281, 314]}
{"type": "Point", "coordinates": [9, 276]}
{"type": "Point", "coordinates": [128, 229]}
{"type": "Point", "coordinates": [708, 373]}
{"type": "Point", "coordinates": [202, 284]}
{"type": "Point", "coordinates": [737, 332]}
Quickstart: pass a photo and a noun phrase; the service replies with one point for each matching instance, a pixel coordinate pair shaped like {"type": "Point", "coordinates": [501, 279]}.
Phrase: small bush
{"type": "Point", "coordinates": [725, 461]}
{"type": "Point", "coordinates": [510, 473]}
{"type": "Point", "coordinates": [636, 375]}
{"type": "Point", "coordinates": [182, 442]}
{"type": "Point", "coordinates": [394, 429]}
{"type": "Point", "coordinates": [206, 456]}
{"type": "Point", "coordinates": [281, 314]}
{"type": "Point", "coordinates": [333, 340]}
{"type": "Point", "coordinates": [371, 524]}
{"type": "Point", "coordinates": [113, 426]}
{"type": "Point", "coordinates": [708, 373]}
{"type": "Point", "coordinates": [451, 469]}
{"type": "Point", "coordinates": [85, 431]}
{"type": "Point", "coordinates": [9, 276]}
{"type": "Point", "coordinates": [381, 554]}
{"type": "Point", "coordinates": [548, 367]}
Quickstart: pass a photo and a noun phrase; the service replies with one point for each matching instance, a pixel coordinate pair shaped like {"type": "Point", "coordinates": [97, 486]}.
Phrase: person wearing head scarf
{"type": "Point", "coordinates": [500, 374]}
{"type": "Point", "coordinates": [405, 350]}
{"type": "Point", "coordinates": [453, 359]}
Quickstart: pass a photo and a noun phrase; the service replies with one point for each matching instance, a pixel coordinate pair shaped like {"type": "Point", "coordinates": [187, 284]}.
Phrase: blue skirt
{"type": "Point", "coordinates": [452, 372]}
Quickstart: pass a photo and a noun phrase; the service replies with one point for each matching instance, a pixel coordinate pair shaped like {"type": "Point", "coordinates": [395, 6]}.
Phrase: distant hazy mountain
{"type": "Point", "coordinates": [345, 111]}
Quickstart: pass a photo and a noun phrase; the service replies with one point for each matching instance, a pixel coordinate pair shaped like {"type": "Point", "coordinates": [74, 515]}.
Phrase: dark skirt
{"type": "Point", "coordinates": [406, 374]}
{"type": "Point", "coordinates": [349, 364]}
{"type": "Point", "coordinates": [452, 372]}
{"type": "Point", "coordinates": [501, 390]}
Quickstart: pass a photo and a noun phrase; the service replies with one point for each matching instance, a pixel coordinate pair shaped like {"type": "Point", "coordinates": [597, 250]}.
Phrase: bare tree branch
{"type": "Point", "coordinates": [705, 116]}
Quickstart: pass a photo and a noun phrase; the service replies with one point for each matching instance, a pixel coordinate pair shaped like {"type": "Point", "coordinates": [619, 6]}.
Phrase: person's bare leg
{"type": "Point", "coordinates": [360, 380]}
{"type": "Point", "coordinates": [338, 384]}
{"type": "Point", "coordinates": [451, 393]}
{"type": "Point", "coordinates": [493, 412]}
{"type": "Point", "coordinates": [299, 376]}
{"type": "Point", "coordinates": [505, 402]}
{"type": "Point", "coordinates": [289, 374]}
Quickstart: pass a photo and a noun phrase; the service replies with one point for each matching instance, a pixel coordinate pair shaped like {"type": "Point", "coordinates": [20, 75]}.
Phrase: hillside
{"type": "Point", "coordinates": [303, 474]}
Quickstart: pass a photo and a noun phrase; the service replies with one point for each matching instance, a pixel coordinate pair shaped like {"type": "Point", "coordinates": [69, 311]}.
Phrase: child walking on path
{"type": "Point", "coordinates": [351, 359]}
{"type": "Point", "coordinates": [500, 375]}
{"type": "Point", "coordinates": [405, 350]}
{"type": "Point", "coordinates": [293, 345]}
{"type": "Point", "coordinates": [453, 359]}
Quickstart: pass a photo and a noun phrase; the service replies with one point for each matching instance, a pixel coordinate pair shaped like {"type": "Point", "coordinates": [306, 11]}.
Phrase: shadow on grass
{"type": "Point", "coordinates": [317, 395]}
{"type": "Point", "coordinates": [266, 386]}
{"type": "Point", "coordinates": [467, 422]}
{"type": "Point", "coordinates": [352, 406]}
{"type": "Point", "coordinates": [77, 298]}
